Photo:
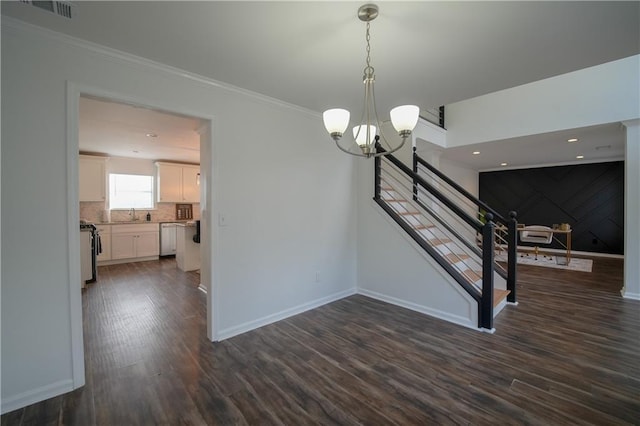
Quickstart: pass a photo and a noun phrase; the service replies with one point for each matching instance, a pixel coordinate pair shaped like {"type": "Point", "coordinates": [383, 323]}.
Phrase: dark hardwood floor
{"type": "Point", "coordinates": [568, 354]}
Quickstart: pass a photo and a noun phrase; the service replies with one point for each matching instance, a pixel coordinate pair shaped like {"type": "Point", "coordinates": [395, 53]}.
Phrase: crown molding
{"type": "Point", "coordinates": [24, 29]}
{"type": "Point", "coordinates": [565, 163]}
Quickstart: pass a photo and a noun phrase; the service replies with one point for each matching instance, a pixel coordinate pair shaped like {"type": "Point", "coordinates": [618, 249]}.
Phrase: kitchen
{"type": "Point", "coordinates": [139, 187]}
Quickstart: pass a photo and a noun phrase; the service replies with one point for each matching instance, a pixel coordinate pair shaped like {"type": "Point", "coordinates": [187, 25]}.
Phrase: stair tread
{"type": "Point", "coordinates": [438, 241]}
{"type": "Point", "coordinates": [409, 213]}
{"type": "Point", "coordinates": [423, 226]}
{"type": "Point", "coordinates": [499, 295]}
{"type": "Point", "coordinates": [455, 257]}
{"type": "Point", "coordinates": [471, 275]}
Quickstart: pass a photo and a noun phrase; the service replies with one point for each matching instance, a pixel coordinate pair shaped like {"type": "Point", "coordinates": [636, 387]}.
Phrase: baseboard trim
{"type": "Point", "coordinates": [445, 316]}
{"type": "Point", "coordinates": [631, 296]}
{"type": "Point", "coordinates": [278, 316]}
{"type": "Point", "coordinates": [36, 395]}
{"type": "Point", "coordinates": [574, 253]}
{"type": "Point", "coordinates": [131, 260]}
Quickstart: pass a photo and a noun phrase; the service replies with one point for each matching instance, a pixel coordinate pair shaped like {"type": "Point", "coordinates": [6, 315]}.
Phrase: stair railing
{"type": "Point", "coordinates": [483, 295]}
{"type": "Point", "coordinates": [508, 228]}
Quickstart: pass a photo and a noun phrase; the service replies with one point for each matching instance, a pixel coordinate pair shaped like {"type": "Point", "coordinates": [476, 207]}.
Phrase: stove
{"type": "Point", "coordinates": [90, 248]}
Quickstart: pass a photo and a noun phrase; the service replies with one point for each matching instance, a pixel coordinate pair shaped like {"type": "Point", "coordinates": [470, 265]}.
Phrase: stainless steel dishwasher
{"type": "Point", "coordinates": [168, 239]}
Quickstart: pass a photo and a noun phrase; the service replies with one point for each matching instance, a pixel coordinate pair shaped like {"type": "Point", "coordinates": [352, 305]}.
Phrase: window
{"type": "Point", "coordinates": [130, 191]}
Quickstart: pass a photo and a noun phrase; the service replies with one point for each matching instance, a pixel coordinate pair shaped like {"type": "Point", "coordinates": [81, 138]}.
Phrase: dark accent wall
{"type": "Point", "coordinates": [589, 197]}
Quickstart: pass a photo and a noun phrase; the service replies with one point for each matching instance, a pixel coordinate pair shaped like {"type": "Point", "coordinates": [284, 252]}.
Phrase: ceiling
{"type": "Point", "coordinates": [120, 130]}
{"type": "Point", "coordinates": [594, 144]}
{"type": "Point", "coordinates": [311, 54]}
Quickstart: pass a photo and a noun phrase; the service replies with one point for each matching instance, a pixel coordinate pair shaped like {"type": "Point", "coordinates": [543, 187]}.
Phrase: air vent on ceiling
{"type": "Point", "coordinates": [62, 8]}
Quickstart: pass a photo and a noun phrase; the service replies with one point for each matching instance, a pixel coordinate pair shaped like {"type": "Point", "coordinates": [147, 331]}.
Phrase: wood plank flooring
{"type": "Point", "coordinates": [568, 354]}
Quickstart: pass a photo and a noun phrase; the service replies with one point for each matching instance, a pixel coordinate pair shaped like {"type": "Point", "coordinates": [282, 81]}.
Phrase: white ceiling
{"type": "Point", "coordinates": [595, 144]}
{"type": "Point", "coordinates": [312, 53]}
{"type": "Point", "coordinates": [120, 130]}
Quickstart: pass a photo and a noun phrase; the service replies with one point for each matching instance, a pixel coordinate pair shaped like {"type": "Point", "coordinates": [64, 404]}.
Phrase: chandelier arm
{"type": "Point", "coordinates": [375, 112]}
{"type": "Point", "coordinates": [355, 154]}
{"type": "Point", "coordinates": [390, 151]}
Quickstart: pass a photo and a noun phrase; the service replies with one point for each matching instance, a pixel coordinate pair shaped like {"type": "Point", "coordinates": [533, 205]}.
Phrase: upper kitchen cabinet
{"type": "Point", "coordinates": [178, 183]}
{"type": "Point", "coordinates": [92, 177]}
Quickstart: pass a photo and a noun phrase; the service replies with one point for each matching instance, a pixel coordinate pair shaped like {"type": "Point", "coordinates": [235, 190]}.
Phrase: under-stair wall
{"type": "Point", "coordinates": [393, 268]}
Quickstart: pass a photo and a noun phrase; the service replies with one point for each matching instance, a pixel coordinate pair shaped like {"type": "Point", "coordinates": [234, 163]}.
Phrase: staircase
{"type": "Point", "coordinates": [442, 218]}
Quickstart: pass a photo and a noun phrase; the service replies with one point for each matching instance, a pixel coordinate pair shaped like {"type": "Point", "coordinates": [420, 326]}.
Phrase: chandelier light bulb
{"type": "Point", "coordinates": [336, 121]}
{"type": "Point", "coordinates": [404, 118]}
{"type": "Point", "coordinates": [364, 137]}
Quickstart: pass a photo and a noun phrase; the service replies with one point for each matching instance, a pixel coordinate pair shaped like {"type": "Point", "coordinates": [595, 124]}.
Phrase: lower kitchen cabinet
{"type": "Point", "coordinates": [135, 241]}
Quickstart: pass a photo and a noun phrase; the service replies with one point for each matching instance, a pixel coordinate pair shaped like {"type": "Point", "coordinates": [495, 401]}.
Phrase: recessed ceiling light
{"type": "Point", "coordinates": [152, 135]}
{"type": "Point", "coordinates": [579, 157]}
{"type": "Point", "coordinates": [572, 140]}
{"type": "Point", "coordinates": [476, 152]}
{"type": "Point", "coordinates": [503, 164]}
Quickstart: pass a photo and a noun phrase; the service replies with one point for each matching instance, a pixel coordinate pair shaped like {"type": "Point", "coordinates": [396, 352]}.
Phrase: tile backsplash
{"type": "Point", "coordinates": [164, 212]}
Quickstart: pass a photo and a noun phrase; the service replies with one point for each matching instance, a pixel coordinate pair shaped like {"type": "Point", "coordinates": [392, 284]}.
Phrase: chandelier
{"type": "Point", "coordinates": [366, 134]}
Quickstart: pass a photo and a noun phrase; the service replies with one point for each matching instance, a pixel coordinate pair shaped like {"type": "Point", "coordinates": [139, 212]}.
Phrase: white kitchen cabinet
{"type": "Point", "coordinates": [188, 252]}
{"type": "Point", "coordinates": [169, 183]}
{"type": "Point", "coordinates": [148, 244]}
{"type": "Point", "coordinates": [105, 242]}
{"type": "Point", "coordinates": [92, 178]}
{"type": "Point", "coordinates": [178, 183]}
{"type": "Point", "coordinates": [135, 241]}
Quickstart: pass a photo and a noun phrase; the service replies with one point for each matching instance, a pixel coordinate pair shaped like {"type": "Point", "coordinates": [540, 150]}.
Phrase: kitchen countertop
{"type": "Point", "coordinates": [188, 224]}
{"type": "Point", "coordinates": [142, 222]}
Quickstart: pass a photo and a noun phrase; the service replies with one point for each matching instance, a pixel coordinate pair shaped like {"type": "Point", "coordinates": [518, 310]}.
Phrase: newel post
{"type": "Point", "coordinates": [512, 257]}
{"type": "Point", "coordinates": [415, 170]}
{"type": "Point", "coordinates": [377, 172]}
{"type": "Point", "coordinates": [486, 303]}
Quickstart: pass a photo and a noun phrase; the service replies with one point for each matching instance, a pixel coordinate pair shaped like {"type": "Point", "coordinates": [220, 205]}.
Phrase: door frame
{"type": "Point", "coordinates": [208, 190]}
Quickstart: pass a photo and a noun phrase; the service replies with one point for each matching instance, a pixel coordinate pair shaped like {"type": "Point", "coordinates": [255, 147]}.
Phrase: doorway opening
{"type": "Point", "coordinates": [136, 134]}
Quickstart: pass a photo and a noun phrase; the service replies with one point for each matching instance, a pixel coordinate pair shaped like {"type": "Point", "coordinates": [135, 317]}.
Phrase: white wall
{"type": "Point", "coordinates": [286, 216]}
{"type": "Point", "coordinates": [605, 93]}
{"type": "Point", "coordinates": [461, 174]}
{"type": "Point", "coordinates": [631, 288]}
{"type": "Point", "coordinates": [391, 267]}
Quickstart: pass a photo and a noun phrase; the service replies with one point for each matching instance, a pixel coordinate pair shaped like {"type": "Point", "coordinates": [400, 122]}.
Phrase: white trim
{"type": "Point", "coordinates": [564, 163]}
{"type": "Point", "coordinates": [130, 260]}
{"type": "Point", "coordinates": [630, 296]}
{"type": "Point", "coordinates": [36, 395]}
{"type": "Point", "coordinates": [202, 288]}
{"type": "Point", "coordinates": [278, 316]}
{"type": "Point", "coordinates": [456, 319]}
{"type": "Point", "coordinates": [573, 252]}
{"type": "Point", "coordinates": [73, 241]}
{"type": "Point", "coordinates": [74, 90]}
{"type": "Point", "coordinates": [26, 28]}
{"type": "Point", "coordinates": [209, 209]}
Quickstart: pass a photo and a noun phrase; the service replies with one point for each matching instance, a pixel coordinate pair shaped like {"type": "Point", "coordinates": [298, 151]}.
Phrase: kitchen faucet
{"type": "Point", "coordinates": [132, 213]}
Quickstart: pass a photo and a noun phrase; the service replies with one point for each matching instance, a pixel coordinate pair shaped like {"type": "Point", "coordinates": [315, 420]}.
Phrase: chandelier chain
{"type": "Point", "coordinates": [368, 47]}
